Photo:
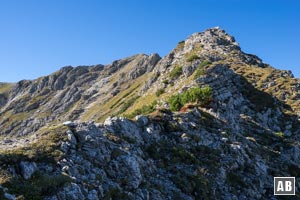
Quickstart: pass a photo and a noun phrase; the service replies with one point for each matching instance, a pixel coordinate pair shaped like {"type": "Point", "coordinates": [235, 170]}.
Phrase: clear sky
{"type": "Point", "coordinates": [39, 37]}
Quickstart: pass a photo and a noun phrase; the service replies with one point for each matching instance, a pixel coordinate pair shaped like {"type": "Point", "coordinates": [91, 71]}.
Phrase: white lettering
{"type": "Point", "coordinates": [288, 186]}
{"type": "Point", "coordinates": [280, 186]}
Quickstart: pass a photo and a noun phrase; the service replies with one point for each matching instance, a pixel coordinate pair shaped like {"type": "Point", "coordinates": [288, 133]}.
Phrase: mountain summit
{"type": "Point", "coordinates": [207, 121]}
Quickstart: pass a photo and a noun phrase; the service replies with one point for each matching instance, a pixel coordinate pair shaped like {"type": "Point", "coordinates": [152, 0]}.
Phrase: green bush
{"type": "Point", "coordinates": [176, 72]}
{"type": "Point", "coordinates": [175, 102]}
{"type": "Point", "coordinates": [159, 92]}
{"type": "Point", "coordinates": [192, 57]}
{"type": "Point", "coordinates": [197, 95]}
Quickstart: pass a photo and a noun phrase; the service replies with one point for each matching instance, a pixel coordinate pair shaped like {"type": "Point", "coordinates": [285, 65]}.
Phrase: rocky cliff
{"type": "Point", "coordinates": [207, 121]}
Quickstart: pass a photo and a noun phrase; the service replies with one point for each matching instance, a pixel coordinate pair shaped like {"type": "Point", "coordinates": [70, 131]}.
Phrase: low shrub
{"type": "Point", "coordinates": [201, 96]}
{"type": "Point", "coordinates": [159, 92]}
{"type": "Point", "coordinates": [199, 72]}
{"type": "Point", "coordinates": [175, 102]}
{"type": "Point", "coordinates": [166, 81]}
{"type": "Point", "coordinates": [176, 72]}
{"type": "Point", "coordinates": [192, 57]}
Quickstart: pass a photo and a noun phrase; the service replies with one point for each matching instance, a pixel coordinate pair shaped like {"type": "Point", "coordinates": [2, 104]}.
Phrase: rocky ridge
{"type": "Point", "coordinates": [228, 148]}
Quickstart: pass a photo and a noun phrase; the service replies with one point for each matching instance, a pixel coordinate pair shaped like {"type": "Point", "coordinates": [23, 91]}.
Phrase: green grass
{"type": "Point", "coordinates": [127, 104]}
{"type": "Point", "coordinates": [176, 72]}
{"type": "Point", "coordinates": [159, 92]}
{"type": "Point", "coordinates": [200, 71]}
{"type": "Point", "coordinates": [144, 110]}
{"type": "Point", "coordinates": [124, 96]}
{"type": "Point", "coordinates": [192, 57]}
{"type": "Point", "coordinates": [204, 63]}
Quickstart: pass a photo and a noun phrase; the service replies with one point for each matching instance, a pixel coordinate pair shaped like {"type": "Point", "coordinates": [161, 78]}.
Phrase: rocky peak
{"type": "Point", "coordinates": [212, 39]}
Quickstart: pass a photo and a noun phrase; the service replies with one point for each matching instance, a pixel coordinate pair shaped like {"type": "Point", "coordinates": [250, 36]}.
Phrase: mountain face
{"type": "Point", "coordinates": [207, 121]}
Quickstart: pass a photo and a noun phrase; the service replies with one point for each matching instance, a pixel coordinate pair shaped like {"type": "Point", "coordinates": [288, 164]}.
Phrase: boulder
{"type": "Point", "coordinates": [28, 169]}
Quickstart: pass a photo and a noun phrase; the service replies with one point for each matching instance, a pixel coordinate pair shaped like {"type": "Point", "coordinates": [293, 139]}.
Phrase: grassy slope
{"type": "Point", "coordinates": [5, 87]}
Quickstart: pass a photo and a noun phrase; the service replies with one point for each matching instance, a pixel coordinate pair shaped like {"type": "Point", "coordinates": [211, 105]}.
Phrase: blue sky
{"type": "Point", "coordinates": [39, 37]}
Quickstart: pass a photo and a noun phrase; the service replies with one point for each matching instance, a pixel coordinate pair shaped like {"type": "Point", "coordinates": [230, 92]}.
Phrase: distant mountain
{"type": "Point", "coordinates": [207, 121]}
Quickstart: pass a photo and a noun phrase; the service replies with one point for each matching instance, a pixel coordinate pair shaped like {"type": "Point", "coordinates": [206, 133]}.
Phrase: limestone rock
{"type": "Point", "coordinates": [28, 169]}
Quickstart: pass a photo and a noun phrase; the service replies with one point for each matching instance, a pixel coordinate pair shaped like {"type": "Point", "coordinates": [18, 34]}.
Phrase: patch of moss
{"type": "Point", "coordinates": [279, 134]}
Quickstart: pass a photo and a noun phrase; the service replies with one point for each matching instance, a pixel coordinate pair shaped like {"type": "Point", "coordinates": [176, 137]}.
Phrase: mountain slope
{"type": "Point", "coordinates": [216, 123]}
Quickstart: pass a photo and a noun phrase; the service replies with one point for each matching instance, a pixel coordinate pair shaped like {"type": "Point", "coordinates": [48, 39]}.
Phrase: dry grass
{"type": "Point", "coordinates": [5, 87]}
{"type": "Point", "coordinates": [108, 105]}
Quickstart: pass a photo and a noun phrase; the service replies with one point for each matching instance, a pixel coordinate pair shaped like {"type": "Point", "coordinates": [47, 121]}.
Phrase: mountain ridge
{"type": "Point", "coordinates": [205, 110]}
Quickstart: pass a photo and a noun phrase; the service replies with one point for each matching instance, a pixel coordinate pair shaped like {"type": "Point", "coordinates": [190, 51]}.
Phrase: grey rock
{"type": "Point", "coordinates": [71, 192]}
{"type": "Point", "coordinates": [9, 196]}
{"type": "Point", "coordinates": [126, 168]}
{"type": "Point", "coordinates": [28, 169]}
{"type": "Point", "coordinates": [142, 120]}
{"type": "Point", "coordinates": [69, 124]}
{"type": "Point", "coordinates": [71, 137]}
{"type": "Point", "coordinates": [92, 195]}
